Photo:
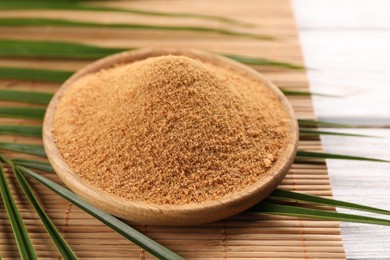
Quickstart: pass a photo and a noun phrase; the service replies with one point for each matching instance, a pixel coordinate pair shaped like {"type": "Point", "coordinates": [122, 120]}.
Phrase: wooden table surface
{"type": "Point", "coordinates": [347, 45]}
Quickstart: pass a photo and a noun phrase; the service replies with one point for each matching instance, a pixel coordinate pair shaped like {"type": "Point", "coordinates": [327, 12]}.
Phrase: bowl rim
{"type": "Point", "coordinates": [186, 214]}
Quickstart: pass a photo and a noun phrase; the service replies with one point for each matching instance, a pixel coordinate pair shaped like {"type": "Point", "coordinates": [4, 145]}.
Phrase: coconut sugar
{"type": "Point", "coordinates": [170, 130]}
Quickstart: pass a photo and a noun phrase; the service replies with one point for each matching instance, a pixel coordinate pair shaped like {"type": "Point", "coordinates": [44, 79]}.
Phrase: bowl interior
{"type": "Point", "coordinates": [187, 214]}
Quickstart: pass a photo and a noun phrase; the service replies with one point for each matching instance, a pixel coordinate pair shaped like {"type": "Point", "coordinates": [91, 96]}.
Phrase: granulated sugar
{"type": "Point", "coordinates": [170, 130]}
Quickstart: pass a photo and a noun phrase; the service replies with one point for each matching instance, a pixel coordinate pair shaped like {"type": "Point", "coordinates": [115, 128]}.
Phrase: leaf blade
{"type": "Point", "coordinates": [23, 148]}
{"type": "Point", "coordinates": [56, 237]}
{"type": "Point", "coordinates": [23, 112]}
{"type": "Point", "coordinates": [321, 155]}
{"type": "Point", "coordinates": [318, 123]}
{"type": "Point", "coordinates": [26, 250]}
{"type": "Point", "coordinates": [22, 130]}
{"type": "Point", "coordinates": [305, 93]}
{"type": "Point", "coordinates": [53, 49]}
{"type": "Point", "coordinates": [25, 96]}
{"type": "Point", "coordinates": [262, 61]}
{"type": "Point", "coordinates": [74, 6]}
{"type": "Point", "coordinates": [34, 74]}
{"type": "Point", "coordinates": [276, 209]}
{"type": "Point", "coordinates": [301, 197]}
{"type": "Point", "coordinates": [73, 50]}
{"type": "Point", "coordinates": [313, 132]}
{"type": "Point", "coordinates": [36, 165]}
{"type": "Point", "coordinates": [18, 22]}
{"type": "Point", "coordinates": [114, 223]}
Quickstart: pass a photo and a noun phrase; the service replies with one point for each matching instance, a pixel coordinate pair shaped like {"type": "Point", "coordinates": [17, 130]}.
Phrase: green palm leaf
{"type": "Point", "coordinates": [77, 6]}
{"type": "Point", "coordinates": [21, 22]}
{"type": "Point", "coordinates": [37, 165]}
{"type": "Point", "coordinates": [71, 50]}
{"type": "Point", "coordinates": [261, 61]}
{"type": "Point", "coordinates": [22, 238]}
{"type": "Point", "coordinates": [34, 74]}
{"type": "Point", "coordinates": [114, 223]}
{"type": "Point", "coordinates": [60, 243]}
{"type": "Point", "coordinates": [23, 130]}
{"type": "Point", "coordinates": [23, 112]}
{"type": "Point", "coordinates": [317, 123]}
{"type": "Point", "coordinates": [25, 96]}
{"type": "Point", "coordinates": [300, 197]}
{"type": "Point", "coordinates": [313, 132]}
{"type": "Point", "coordinates": [23, 148]}
{"type": "Point", "coordinates": [277, 209]}
{"type": "Point", "coordinates": [53, 49]}
{"type": "Point", "coordinates": [321, 155]}
{"type": "Point", "coordinates": [305, 93]}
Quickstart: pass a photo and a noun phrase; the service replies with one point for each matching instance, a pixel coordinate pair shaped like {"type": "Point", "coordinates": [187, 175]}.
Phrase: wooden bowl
{"type": "Point", "coordinates": [152, 214]}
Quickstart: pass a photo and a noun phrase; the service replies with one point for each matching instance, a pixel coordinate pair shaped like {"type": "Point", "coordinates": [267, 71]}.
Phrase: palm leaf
{"type": "Point", "coordinates": [75, 6]}
{"type": "Point", "coordinates": [60, 243]}
{"type": "Point", "coordinates": [23, 112]}
{"type": "Point", "coordinates": [277, 209]}
{"type": "Point", "coordinates": [25, 96]}
{"type": "Point", "coordinates": [37, 165]}
{"type": "Point", "coordinates": [23, 148]}
{"type": "Point", "coordinates": [317, 123]}
{"type": "Point", "coordinates": [261, 61]}
{"type": "Point", "coordinates": [321, 155]}
{"type": "Point", "coordinates": [305, 93]}
{"type": "Point", "coordinates": [34, 74]}
{"type": "Point", "coordinates": [23, 130]}
{"type": "Point", "coordinates": [114, 223]}
{"type": "Point", "coordinates": [53, 49]}
{"type": "Point", "coordinates": [71, 50]}
{"type": "Point", "coordinates": [21, 22]}
{"type": "Point", "coordinates": [22, 238]}
{"type": "Point", "coordinates": [311, 132]}
{"type": "Point", "coordinates": [300, 197]}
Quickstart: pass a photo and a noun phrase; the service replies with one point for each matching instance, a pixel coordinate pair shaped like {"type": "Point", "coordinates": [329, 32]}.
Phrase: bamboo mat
{"type": "Point", "coordinates": [241, 237]}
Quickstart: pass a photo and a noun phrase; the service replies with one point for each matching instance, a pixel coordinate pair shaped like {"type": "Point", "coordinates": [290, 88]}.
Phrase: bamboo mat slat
{"type": "Point", "coordinates": [244, 236]}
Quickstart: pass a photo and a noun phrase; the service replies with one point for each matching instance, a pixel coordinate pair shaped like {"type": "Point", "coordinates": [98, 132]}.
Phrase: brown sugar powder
{"type": "Point", "coordinates": [170, 130]}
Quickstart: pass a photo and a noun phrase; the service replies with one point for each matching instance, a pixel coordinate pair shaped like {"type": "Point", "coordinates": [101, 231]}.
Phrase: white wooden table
{"type": "Point", "coordinates": [347, 45]}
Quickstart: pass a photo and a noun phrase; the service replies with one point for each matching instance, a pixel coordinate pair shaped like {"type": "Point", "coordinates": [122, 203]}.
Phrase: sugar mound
{"type": "Point", "coordinates": [170, 130]}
